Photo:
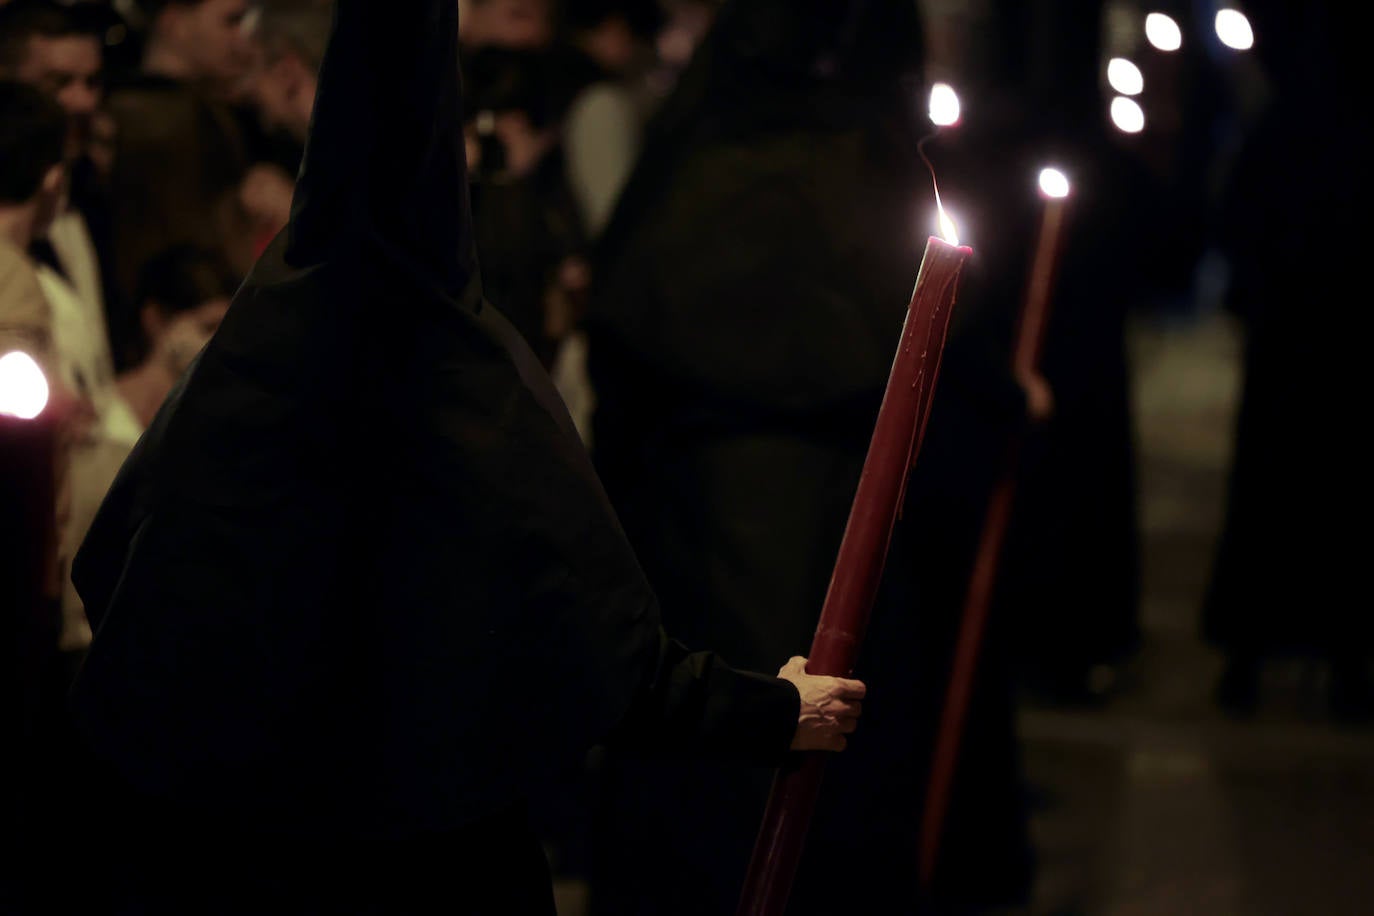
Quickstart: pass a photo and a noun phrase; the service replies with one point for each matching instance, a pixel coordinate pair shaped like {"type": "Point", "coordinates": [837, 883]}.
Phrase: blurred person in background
{"type": "Point", "coordinates": [612, 58]}
{"type": "Point", "coordinates": [748, 296]}
{"type": "Point", "coordinates": [199, 43]}
{"type": "Point", "coordinates": [32, 183]}
{"type": "Point", "coordinates": [180, 163]}
{"type": "Point", "coordinates": [1070, 576]}
{"type": "Point", "coordinates": [52, 48]}
{"type": "Point", "coordinates": [36, 673]}
{"type": "Point", "coordinates": [274, 109]}
{"type": "Point", "coordinates": [1066, 596]}
{"type": "Point", "coordinates": [183, 295]}
{"type": "Point", "coordinates": [615, 40]}
{"type": "Point", "coordinates": [291, 35]}
{"type": "Point", "coordinates": [528, 231]}
{"type": "Point", "coordinates": [1293, 222]}
{"type": "Point", "coordinates": [524, 24]}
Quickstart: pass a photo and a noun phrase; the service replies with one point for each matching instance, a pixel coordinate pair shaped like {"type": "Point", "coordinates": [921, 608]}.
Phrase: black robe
{"type": "Point", "coordinates": [358, 586]}
{"type": "Point", "coordinates": [1294, 227]}
{"type": "Point", "coordinates": [1069, 580]}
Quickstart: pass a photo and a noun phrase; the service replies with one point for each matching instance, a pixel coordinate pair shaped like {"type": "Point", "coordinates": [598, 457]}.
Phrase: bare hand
{"type": "Point", "coordinates": [830, 707]}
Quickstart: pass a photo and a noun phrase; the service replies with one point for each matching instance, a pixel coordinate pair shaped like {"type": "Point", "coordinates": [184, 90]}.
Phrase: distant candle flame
{"type": "Point", "coordinates": [944, 105]}
{"type": "Point", "coordinates": [1128, 116]}
{"type": "Point", "coordinates": [1125, 77]}
{"type": "Point", "coordinates": [1163, 32]}
{"type": "Point", "coordinates": [23, 389]}
{"type": "Point", "coordinates": [1234, 30]}
{"type": "Point", "coordinates": [1054, 183]}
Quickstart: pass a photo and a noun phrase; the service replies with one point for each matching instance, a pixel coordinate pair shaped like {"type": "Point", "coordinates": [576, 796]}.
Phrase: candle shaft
{"type": "Point", "coordinates": [1035, 310]}
{"type": "Point", "coordinates": [859, 565]}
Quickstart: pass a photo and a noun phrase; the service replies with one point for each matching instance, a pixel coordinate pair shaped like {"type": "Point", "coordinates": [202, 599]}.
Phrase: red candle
{"type": "Point", "coordinates": [29, 576]}
{"type": "Point", "coordinates": [1030, 338]}
{"type": "Point", "coordinates": [859, 566]}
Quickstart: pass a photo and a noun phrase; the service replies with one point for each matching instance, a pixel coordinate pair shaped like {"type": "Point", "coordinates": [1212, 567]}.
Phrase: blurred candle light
{"type": "Point", "coordinates": [1162, 32]}
{"type": "Point", "coordinates": [23, 389]}
{"type": "Point", "coordinates": [1054, 183]}
{"type": "Point", "coordinates": [1127, 115]}
{"type": "Point", "coordinates": [1234, 30]}
{"type": "Point", "coordinates": [944, 105]}
{"type": "Point", "coordinates": [1125, 77]}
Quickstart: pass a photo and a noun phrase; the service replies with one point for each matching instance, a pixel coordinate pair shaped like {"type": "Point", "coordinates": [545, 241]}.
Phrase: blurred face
{"type": "Point", "coordinates": [505, 23]}
{"type": "Point", "coordinates": [67, 69]}
{"type": "Point", "coordinates": [284, 91]}
{"type": "Point", "coordinates": [210, 37]}
{"type": "Point", "coordinates": [614, 45]}
{"type": "Point", "coordinates": [178, 338]}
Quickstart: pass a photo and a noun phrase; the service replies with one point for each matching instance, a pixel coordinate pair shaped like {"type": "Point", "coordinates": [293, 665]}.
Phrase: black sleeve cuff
{"type": "Point", "coordinates": [695, 705]}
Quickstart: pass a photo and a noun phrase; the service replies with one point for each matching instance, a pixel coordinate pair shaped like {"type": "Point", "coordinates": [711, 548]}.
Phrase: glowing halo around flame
{"type": "Point", "coordinates": [23, 389]}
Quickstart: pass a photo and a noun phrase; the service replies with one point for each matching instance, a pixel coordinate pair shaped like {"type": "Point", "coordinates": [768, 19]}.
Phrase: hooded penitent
{"type": "Point", "coordinates": [359, 570]}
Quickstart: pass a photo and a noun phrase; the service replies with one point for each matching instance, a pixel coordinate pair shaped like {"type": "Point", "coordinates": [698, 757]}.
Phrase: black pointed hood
{"type": "Point", "coordinates": [359, 574]}
{"type": "Point", "coordinates": [385, 154]}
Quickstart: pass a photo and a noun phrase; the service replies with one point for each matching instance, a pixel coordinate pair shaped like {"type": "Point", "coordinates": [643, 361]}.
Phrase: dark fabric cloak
{"type": "Point", "coordinates": [1293, 225]}
{"type": "Point", "coordinates": [359, 579]}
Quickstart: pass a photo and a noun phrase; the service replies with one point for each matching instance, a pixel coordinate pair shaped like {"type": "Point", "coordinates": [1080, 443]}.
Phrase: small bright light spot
{"type": "Point", "coordinates": [946, 226]}
{"type": "Point", "coordinates": [23, 389]}
{"type": "Point", "coordinates": [944, 105]}
{"type": "Point", "coordinates": [1162, 32]}
{"type": "Point", "coordinates": [1054, 183]}
{"type": "Point", "coordinates": [1125, 77]}
{"type": "Point", "coordinates": [1234, 30]}
{"type": "Point", "coordinates": [1127, 115]}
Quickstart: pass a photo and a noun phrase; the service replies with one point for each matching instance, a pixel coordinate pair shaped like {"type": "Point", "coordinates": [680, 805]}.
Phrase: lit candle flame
{"type": "Point", "coordinates": [1163, 32]}
{"type": "Point", "coordinates": [944, 105]}
{"type": "Point", "coordinates": [947, 230]}
{"type": "Point", "coordinates": [23, 389]}
{"type": "Point", "coordinates": [1234, 30]}
{"type": "Point", "coordinates": [1128, 116]}
{"type": "Point", "coordinates": [1125, 77]}
{"type": "Point", "coordinates": [1054, 183]}
{"type": "Point", "coordinates": [944, 225]}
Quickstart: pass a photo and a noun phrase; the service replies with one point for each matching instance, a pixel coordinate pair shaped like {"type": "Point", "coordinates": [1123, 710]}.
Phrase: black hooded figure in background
{"type": "Point", "coordinates": [749, 297]}
{"type": "Point", "coordinates": [358, 588]}
{"type": "Point", "coordinates": [1293, 224]}
{"type": "Point", "coordinates": [1070, 576]}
